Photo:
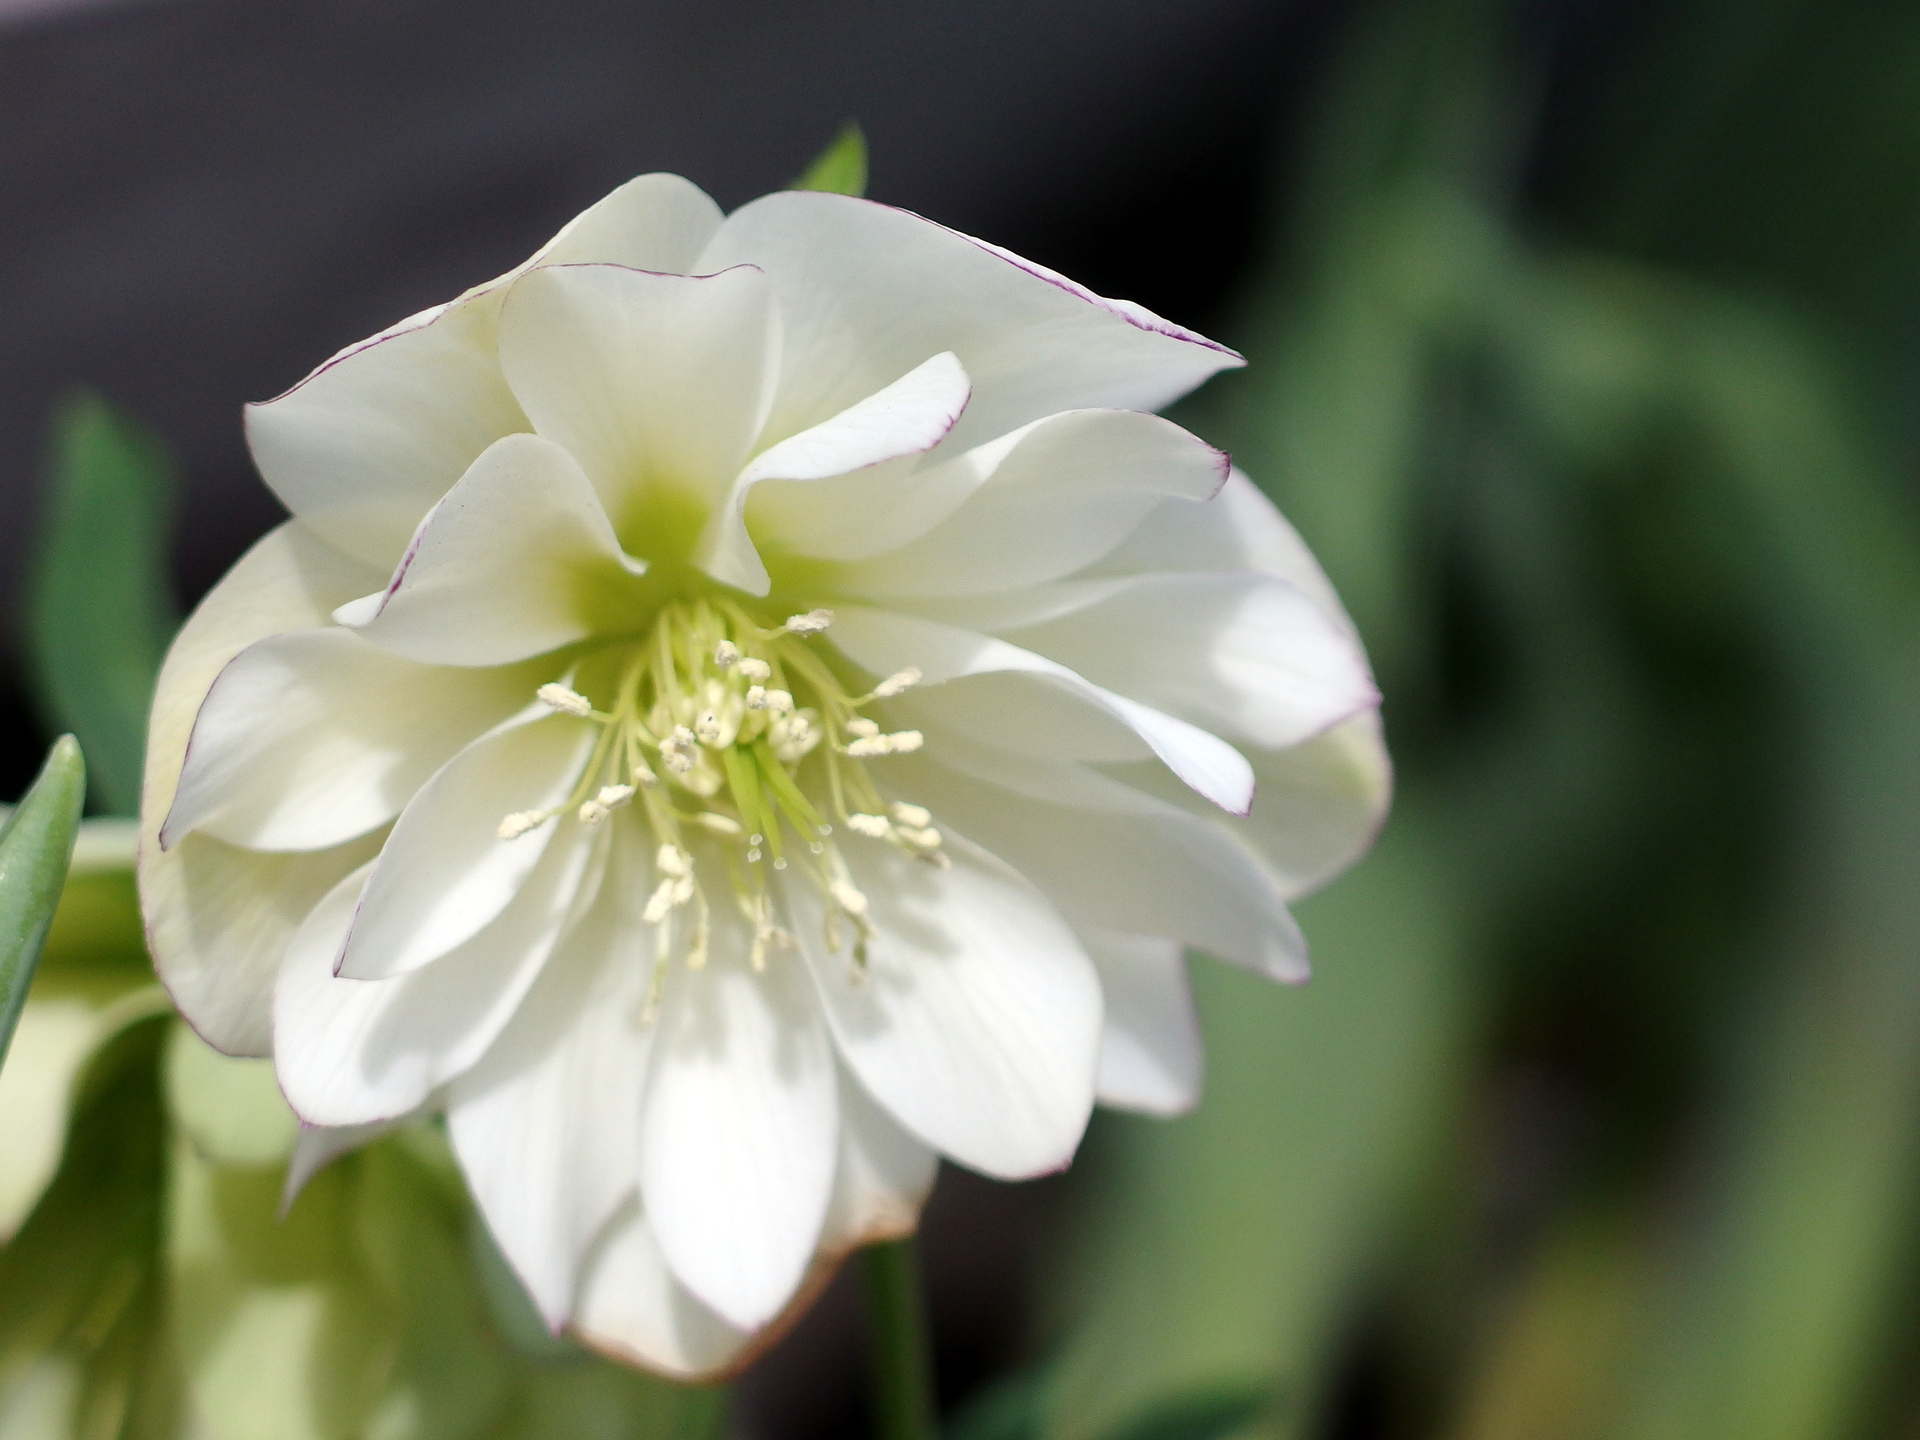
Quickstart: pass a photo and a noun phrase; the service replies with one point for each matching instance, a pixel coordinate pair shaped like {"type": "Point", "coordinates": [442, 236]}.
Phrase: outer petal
{"type": "Point", "coordinates": [1041, 702]}
{"type": "Point", "coordinates": [867, 292]}
{"type": "Point", "coordinates": [517, 559]}
{"type": "Point", "coordinates": [1042, 503]}
{"type": "Point", "coordinates": [365, 445]}
{"type": "Point", "coordinates": [911, 415]}
{"type": "Point", "coordinates": [545, 1124]}
{"type": "Point", "coordinates": [1110, 856]}
{"type": "Point", "coordinates": [884, 1177]}
{"type": "Point", "coordinates": [653, 222]}
{"type": "Point", "coordinates": [740, 1129]}
{"type": "Point", "coordinates": [1241, 653]}
{"type": "Point", "coordinates": [632, 1307]}
{"type": "Point", "coordinates": [977, 1024]}
{"type": "Point", "coordinates": [218, 918]}
{"type": "Point", "coordinates": [445, 872]}
{"type": "Point", "coordinates": [368, 442]}
{"type": "Point", "coordinates": [314, 737]}
{"type": "Point", "coordinates": [1239, 529]}
{"type": "Point", "coordinates": [1150, 1053]}
{"type": "Point", "coordinates": [656, 383]}
{"type": "Point", "coordinates": [1319, 807]}
{"type": "Point", "coordinates": [350, 1052]}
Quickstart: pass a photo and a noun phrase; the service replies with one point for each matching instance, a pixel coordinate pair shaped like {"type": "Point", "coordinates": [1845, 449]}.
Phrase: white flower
{"type": "Point", "coordinates": [728, 723]}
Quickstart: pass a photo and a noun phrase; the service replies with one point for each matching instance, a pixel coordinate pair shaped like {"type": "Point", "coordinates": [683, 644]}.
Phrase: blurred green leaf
{"type": "Point", "coordinates": [1213, 1412]}
{"type": "Point", "coordinates": [841, 168]}
{"type": "Point", "coordinates": [35, 846]}
{"type": "Point", "coordinates": [1013, 1408]}
{"type": "Point", "coordinates": [99, 610]}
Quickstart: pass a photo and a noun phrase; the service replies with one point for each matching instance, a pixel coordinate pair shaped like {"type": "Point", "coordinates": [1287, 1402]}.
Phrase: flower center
{"type": "Point", "coordinates": [741, 744]}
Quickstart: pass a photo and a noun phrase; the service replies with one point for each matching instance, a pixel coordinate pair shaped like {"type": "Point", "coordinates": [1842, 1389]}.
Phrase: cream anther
{"type": "Point", "coordinates": [811, 623]}
{"type": "Point", "coordinates": [897, 684]}
{"type": "Point", "coordinates": [756, 697]}
{"type": "Point", "coordinates": [677, 751]}
{"type": "Point", "coordinates": [592, 812]}
{"type": "Point", "coordinates": [671, 893]}
{"type": "Point", "coordinates": [726, 654]}
{"type": "Point", "coordinates": [706, 729]}
{"type": "Point", "coordinates": [847, 898]}
{"type": "Point", "coordinates": [612, 795]}
{"type": "Point", "coordinates": [674, 861]}
{"type": "Point", "coordinates": [900, 742]}
{"type": "Point", "coordinates": [520, 822]}
{"type": "Point", "coordinates": [756, 670]}
{"type": "Point", "coordinates": [915, 816]}
{"type": "Point", "coordinates": [877, 826]}
{"type": "Point", "coordinates": [563, 700]}
{"type": "Point", "coordinates": [716, 822]}
{"type": "Point", "coordinates": [864, 728]}
{"type": "Point", "coordinates": [780, 702]}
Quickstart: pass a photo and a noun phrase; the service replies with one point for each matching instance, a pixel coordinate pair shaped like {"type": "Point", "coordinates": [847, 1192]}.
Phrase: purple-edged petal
{"type": "Point", "coordinates": [545, 1124]}
{"type": "Point", "coordinates": [653, 222]}
{"type": "Point", "coordinates": [885, 1175]}
{"type": "Point", "coordinates": [1015, 698]}
{"type": "Point", "coordinates": [351, 1052]}
{"type": "Point", "coordinates": [657, 384]}
{"type": "Point", "coordinates": [976, 1022]}
{"type": "Point", "coordinates": [1043, 502]}
{"type": "Point", "coordinates": [314, 737]}
{"type": "Point", "coordinates": [740, 1127]}
{"type": "Point", "coordinates": [867, 291]}
{"type": "Point", "coordinates": [445, 872]}
{"type": "Point", "coordinates": [517, 559]}
{"type": "Point", "coordinates": [218, 918]}
{"type": "Point", "coordinates": [910, 416]}
{"type": "Point", "coordinates": [632, 1308]}
{"type": "Point", "coordinates": [365, 445]}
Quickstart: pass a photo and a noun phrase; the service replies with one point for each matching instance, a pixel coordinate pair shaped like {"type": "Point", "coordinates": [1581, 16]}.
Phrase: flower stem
{"type": "Point", "coordinates": [898, 1353]}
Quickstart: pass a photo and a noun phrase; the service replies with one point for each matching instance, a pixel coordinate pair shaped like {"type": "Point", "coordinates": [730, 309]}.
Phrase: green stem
{"type": "Point", "coordinates": [898, 1352]}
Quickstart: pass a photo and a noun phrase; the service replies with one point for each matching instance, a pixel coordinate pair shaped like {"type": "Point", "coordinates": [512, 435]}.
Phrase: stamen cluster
{"type": "Point", "coordinates": [743, 751]}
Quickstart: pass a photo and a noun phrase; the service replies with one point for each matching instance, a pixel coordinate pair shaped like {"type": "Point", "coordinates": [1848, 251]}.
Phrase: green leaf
{"type": "Point", "coordinates": [99, 612]}
{"type": "Point", "coordinates": [841, 168]}
{"type": "Point", "coordinates": [1213, 1412]}
{"type": "Point", "coordinates": [1014, 1408]}
{"type": "Point", "coordinates": [34, 849]}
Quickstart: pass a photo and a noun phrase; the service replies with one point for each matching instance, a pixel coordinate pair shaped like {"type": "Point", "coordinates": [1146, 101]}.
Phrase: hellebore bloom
{"type": "Point", "coordinates": [745, 706]}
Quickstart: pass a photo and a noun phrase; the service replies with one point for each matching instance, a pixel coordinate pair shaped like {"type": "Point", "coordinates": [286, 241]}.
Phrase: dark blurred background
{"type": "Point", "coordinates": [1583, 342]}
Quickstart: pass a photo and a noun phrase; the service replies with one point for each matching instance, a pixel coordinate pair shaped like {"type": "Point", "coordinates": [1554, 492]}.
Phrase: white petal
{"type": "Point", "coordinates": [314, 737]}
{"type": "Point", "coordinates": [740, 1128]}
{"type": "Point", "coordinates": [653, 222]}
{"type": "Point", "coordinates": [1319, 807]}
{"type": "Point", "coordinates": [1046, 501]}
{"type": "Point", "coordinates": [1239, 529]}
{"type": "Point", "coordinates": [1035, 699]}
{"type": "Point", "coordinates": [867, 292]}
{"type": "Point", "coordinates": [318, 1146]}
{"type": "Point", "coordinates": [364, 446]}
{"type": "Point", "coordinates": [977, 1024]}
{"type": "Point", "coordinates": [633, 1309]}
{"type": "Point", "coordinates": [1150, 1054]}
{"type": "Point", "coordinates": [517, 559]}
{"type": "Point", "coordinates": [884, 1176]}
{"type": "Point", "coordinates": [1108, 855]}
{"type": "Point", "coordinates": [51, 1043]}
{"type": "Point", "coordinates": [546, 1125]}
{"type": "Point", "coordinates": [218, 918]}
{"type": "Point", "coordinates": [1240, 653]}
{"type": "Point", "coordinates": [911, 415]}
{"type": "Point", "coordinates": [657, 384]}
{"type": "Point", "coordinates": [445, 872]}
{"type": "Point", "coordinates": [350, 1052]}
